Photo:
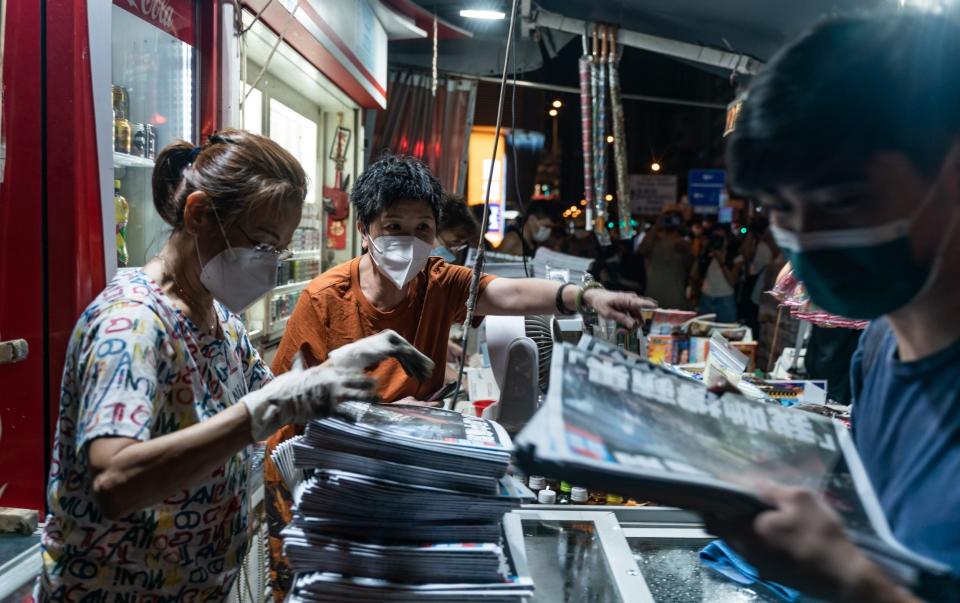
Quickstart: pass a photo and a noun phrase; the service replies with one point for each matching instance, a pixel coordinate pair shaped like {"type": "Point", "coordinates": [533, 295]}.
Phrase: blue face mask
{"type": "Point", "coordinates": [861, 273]}
{"type": "Point", "coordinates": [445, 254]}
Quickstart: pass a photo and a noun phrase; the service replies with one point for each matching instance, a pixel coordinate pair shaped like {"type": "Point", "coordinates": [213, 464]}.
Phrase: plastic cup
{"type": "Point", "coordinates": [481, 405]}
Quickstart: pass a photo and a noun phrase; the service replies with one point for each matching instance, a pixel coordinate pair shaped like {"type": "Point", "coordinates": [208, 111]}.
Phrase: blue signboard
{"type": "Point", "coordinates": [705, 187]}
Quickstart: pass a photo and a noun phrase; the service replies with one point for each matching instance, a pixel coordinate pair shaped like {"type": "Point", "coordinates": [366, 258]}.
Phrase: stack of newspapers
{"type": "Point", "coordinates": [401, 502]}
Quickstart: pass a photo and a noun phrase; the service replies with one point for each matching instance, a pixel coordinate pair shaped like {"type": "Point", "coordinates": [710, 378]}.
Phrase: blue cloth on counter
{"type": "Point", "coordinates": [719, 557]}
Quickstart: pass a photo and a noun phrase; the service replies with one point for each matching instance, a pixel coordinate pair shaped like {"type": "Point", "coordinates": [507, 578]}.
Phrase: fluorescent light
{"type": "Point", "coordinates": [489, 15]}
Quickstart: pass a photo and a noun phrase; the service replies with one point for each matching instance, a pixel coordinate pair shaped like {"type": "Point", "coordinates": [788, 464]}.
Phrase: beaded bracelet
{"type": "Point", "coordinates": [580, 294]}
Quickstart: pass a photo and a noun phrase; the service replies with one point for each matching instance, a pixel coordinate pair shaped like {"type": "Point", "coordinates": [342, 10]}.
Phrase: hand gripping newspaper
{"type": "Point", "coordinates": [611, 421]}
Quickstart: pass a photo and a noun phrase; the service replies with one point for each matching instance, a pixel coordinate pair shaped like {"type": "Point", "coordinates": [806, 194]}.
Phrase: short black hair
{"type": "Point", "coordinates": [454, 213]}
{"type": "Point", "coordinates": [542, 209]}
{"type": "Point", "coordinates": [850, 88]}
{"type": "Point", "coordinates": [390, 179]}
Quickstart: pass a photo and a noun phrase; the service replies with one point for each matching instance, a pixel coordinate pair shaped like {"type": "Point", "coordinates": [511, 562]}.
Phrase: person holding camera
{"type": "Point", "coordinates": [716, 274]}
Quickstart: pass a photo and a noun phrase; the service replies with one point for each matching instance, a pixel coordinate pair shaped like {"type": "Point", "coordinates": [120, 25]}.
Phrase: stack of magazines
{"type": "Point", "coordinates": [612, 423]}
{"type": "Point", "coordinates": [402, 502]}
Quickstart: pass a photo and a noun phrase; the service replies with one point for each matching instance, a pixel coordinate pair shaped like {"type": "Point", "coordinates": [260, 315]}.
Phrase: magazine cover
{"type": "Point", "coordinates": [654, 435]}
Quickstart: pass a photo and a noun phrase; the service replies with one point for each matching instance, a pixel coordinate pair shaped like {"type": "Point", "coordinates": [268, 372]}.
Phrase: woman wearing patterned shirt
{"type": "Point", "coordinates": [162, 391]}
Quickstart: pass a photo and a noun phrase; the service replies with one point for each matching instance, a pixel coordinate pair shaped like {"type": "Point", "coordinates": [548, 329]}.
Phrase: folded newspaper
{"type": "Point", "coordinates": [647, 432]}
{"type": "Point", "coordinates": [424, 438]}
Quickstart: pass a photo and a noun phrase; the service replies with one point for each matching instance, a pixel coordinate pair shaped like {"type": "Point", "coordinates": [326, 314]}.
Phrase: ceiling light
{"type": "Point", "coordinates": [553, 112]}
{"type": "Point", "coordinates": [489, 15]}
{"type": "Point", "coordinates": [609, 138]}
{"type": "Point", "coordinates": [655, 166]}
{"type": "Point", "coordinates": [609, 197]}
{"type": "Point", "coordinates": [557, 104]}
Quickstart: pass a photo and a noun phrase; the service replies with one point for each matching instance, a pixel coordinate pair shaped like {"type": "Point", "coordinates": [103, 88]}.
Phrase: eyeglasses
{"type": "Point", "coordinates": [282, 253]}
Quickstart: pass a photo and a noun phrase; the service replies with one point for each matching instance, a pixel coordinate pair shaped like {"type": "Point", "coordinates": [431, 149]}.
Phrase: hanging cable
{"type": "Point", "coordinates": [256, 17]}
{"type": "Point", "coordinates": [266, 64]}
{"type": "Point", "coordinates": [478, 265]}
{"type": "Point", "coordinates": [513, 131]}
{"type": "Point", "coordinates": [513, 149]}
{"type": "Point", "coordinates": [242, 44]}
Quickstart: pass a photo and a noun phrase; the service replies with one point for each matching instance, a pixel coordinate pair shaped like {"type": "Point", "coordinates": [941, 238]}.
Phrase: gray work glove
{"type": "Point", "coordinates": [371, 351]}
{"type": "Point", "coordinates": [300, 395]}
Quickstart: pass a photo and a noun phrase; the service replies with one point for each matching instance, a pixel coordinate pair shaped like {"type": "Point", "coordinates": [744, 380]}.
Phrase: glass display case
{"type": "Point", "coordinates": [623, 554]}
{"type": "Point", "coordinates": [154, 98]}
{"type": "Point", "coordinates": [286, 98]}
{"type": "Point", "coordinates": [297, 132]}
{"type": "Point", "coordinates": [576, 556]}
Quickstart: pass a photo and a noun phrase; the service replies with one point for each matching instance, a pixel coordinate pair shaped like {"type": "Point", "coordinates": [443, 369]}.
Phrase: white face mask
{"type": "Point", "coordinates": [399, 258]}
{"type": "Point", "coordinates": [541, 234]}
{"type": "Point", "coordinates": [239, 276]}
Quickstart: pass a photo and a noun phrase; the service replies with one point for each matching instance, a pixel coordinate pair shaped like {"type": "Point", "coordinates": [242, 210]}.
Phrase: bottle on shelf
{"type": "Point", "coordinates": [122, 136]}
{"type": "Point", "coordinates": [122, 131]}
{"type": "Point", "coordinates": [614, 499]}
{"type": "Point", "coordinates": [547, 497]}
{"type": "Point", "coordinates": [578, 495]}
{"type": "Point", "coordinates": [563, 498]}
{"type": "Point", "coordinates": [536, 484]}
{"type": "Point", "coordinates": [597, 498]}
{"type": "Point", "coordinates": [121, 210]}
{"type": "Point", "coordinates": [138, 145]}
{"type": "Point", "coordinates": [151, 133]}
{"type": "Point", "coordinates": [121, 101]}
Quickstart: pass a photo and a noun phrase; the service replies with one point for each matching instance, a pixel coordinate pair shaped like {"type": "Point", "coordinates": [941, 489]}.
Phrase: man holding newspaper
{"type": "Point", "coordinates": [851, 138]}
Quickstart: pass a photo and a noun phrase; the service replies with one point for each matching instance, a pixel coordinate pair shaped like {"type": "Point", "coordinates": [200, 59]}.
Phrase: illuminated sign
{"type": "Point", "coordinates": [480, 152]}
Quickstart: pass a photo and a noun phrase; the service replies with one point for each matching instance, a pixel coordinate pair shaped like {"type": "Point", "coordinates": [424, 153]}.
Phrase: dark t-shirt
{"type": "Point", "coordinates": [906, 426]}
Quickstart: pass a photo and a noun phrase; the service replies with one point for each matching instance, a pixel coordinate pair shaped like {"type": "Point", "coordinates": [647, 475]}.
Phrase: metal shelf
{"type": "Point", "coordinates": [289, 288]}
{"type": "Point", "coordinates": [125, 160]}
